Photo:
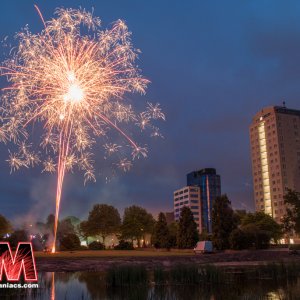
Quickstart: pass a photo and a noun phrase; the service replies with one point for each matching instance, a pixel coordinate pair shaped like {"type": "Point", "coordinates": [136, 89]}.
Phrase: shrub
{"type": "Point", "coordinates": [96, 246]}
{"type": "Point", "coordinates": [262, 239]}
{"type": "Point", "coordinates": [240, 240]}
{"type": "Point", "coordinates": [123, 245]}
{"type": "Point", "coordinates": [70, 242]}
{"type": "Point", "coordinates": [295, 247]}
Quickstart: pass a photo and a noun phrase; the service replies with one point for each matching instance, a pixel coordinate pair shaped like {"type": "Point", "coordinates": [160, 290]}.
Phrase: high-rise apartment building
{"type": "Point", "coordinates": [275, 152]}
{"type": "Point", "coordinates": [202, 188]}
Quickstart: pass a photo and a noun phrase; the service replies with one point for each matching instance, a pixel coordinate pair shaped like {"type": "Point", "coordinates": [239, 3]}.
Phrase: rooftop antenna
{"type": "Point", "coordinates": [283, 104]}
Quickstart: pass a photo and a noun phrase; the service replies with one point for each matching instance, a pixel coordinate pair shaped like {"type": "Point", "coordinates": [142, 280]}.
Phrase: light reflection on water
{"type": "Point", "coordinates": [90, 285]}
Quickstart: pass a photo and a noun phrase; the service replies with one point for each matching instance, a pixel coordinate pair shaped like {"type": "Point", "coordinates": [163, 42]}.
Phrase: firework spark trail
{"type": "Point", "coordinates": [71, 78]}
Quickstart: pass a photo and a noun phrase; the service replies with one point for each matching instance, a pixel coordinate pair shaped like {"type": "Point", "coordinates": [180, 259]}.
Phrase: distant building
{"type": "Point", "coordinates": [210, 186]}
{"type": "Point", "coordinates": [188, 196]}
{"type": "Point", "coordinates": [202, 188]}
{"type": "Point", "coordinates": [169, 217]}
{"type": "Point", "coordinates": [275, 153]}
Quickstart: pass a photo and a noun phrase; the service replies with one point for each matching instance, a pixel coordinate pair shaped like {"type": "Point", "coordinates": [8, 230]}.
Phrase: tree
{"type": "Point", "coordinates": [239, 214]}
{"type": "Point", "coordinates": [103, 220]}
{"type": "Point", "coordinates": [204, 235]}
{"type": "Point", "coordinates": [263, 223]}
{"type": "Point", "coordinates": [136, 223]}
{"type": "Point", "coordinates": [240, 239]}
{"type": "Point", "coordinates": [5, 226]}
{"type": "Point", "coordinates": [124, 245]}
{"type": "Point", "coordinates": [161, 234]}
{"type": "Point", "coordinates": [75, 222]}
{"type": "Point", "coordinates": [70, 242]}
{"type": "Point", "coordinates": [65, 227]}
{"type": "Point", "coordinates": [96, 246]}
{"type": "Point", "coordinates": [256, 237]}
{"type": "Point", "coordinates": [173, 229]}
{"type": "Point", "coordinates": [83, 230]}
{"type": "Point", "coordinates": [223, 222]}
{"type": "Point", "coordinates": [187, 235]}
{"type": "Point", "coordinates": [291, 220]}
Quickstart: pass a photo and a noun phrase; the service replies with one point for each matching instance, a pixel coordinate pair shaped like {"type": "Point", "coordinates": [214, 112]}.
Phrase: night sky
{"type": "Point", "coordinates": [212, 66]}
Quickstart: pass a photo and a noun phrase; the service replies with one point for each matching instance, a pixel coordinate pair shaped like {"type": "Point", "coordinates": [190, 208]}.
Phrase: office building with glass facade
{"type": "Point", "coordinates": [202, 188]}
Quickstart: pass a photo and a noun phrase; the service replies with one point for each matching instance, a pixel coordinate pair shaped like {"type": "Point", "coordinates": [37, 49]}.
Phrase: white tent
{"type": "Point", "coordinates": [204, 247]}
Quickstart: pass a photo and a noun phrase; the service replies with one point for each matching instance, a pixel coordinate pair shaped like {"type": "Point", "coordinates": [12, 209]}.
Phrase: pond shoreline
{"type": "Point", "coordinates": [151, 259]}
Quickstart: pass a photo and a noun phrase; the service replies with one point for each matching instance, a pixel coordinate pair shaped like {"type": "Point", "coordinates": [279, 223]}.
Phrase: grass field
{"type": "Point", "coordinates": [116, 253]}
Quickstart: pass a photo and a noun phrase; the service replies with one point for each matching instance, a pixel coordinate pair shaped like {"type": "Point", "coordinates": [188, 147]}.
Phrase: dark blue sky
{"type": "Point", "coordinates": [212, 64]}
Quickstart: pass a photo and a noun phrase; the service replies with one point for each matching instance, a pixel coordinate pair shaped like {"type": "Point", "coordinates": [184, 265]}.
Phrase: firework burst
{"type": "Point", "coordinates": [71, 78]}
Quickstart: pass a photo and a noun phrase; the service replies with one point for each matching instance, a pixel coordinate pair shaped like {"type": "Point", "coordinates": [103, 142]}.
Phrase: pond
{"type": "Point", "coordinates": [91, 285]}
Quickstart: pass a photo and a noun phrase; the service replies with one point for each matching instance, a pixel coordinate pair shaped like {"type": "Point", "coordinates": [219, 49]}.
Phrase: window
{"type": "Point", "coordinates": [195, 213]}
{"type": "Point", "coordinates": [194, 201]}
{"type": "Point", "coordinates": [194, 207]}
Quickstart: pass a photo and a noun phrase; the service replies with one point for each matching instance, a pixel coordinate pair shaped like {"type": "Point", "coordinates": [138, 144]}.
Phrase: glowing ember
{"type": "Point", "coordinates": [73, 84]}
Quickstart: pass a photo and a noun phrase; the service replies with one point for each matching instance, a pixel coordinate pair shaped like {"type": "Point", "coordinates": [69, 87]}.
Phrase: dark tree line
{"type": "Point", "coordinates": [230, 229]}
{"type": "Point", "coordinates": [237, 230]}
{"type": "Point", "coordinates": [182, 235]}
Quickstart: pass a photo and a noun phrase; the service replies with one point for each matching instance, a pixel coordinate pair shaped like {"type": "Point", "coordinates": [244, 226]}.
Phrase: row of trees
{"type": "Point", "coordinates": [183, 235]}
{"type": "Point", "coordinates": [238, 230]}
{"type": "Point", "coordinates": [230, 229]}
{"type": "Point", "coordinates": [105, 220]}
